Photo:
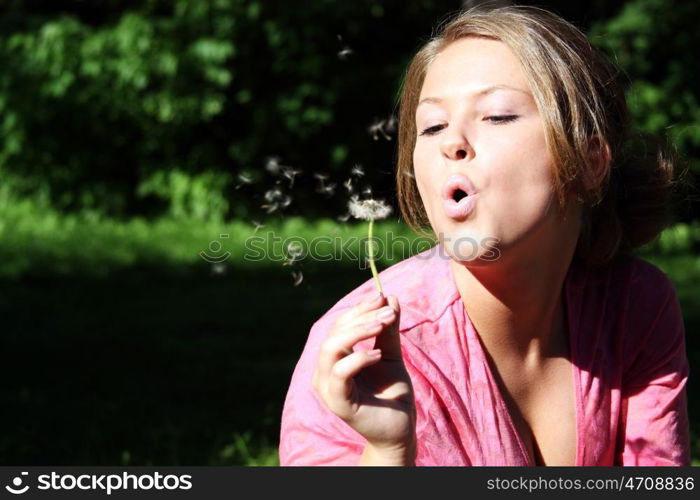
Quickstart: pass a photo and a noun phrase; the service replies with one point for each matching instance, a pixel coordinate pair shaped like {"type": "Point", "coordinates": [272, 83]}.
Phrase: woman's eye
{"type": "Point", "coordinates": [432, 130]}
{"type": "Point", "coordinates": [500, 119]}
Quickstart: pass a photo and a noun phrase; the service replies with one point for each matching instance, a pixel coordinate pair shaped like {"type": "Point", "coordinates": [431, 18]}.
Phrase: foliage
{"type": "Point", "coordinates": [654, 44]}
{"type": "Point", "coordinates": [106, 106]}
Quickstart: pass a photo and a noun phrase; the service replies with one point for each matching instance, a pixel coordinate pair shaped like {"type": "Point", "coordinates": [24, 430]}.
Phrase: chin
{"type": "Point", "coordinates": [469, 245]}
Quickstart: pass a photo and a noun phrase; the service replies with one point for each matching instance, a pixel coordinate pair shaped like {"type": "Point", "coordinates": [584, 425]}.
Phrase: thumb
{"type": "Point", "coordinates": [389, 339]}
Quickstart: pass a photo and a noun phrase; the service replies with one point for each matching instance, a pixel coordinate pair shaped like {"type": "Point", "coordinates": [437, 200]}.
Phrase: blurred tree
{"type": "Point", "coordinates": [150, 106]}
{"type": "Point", "coordinates": [654, 43]}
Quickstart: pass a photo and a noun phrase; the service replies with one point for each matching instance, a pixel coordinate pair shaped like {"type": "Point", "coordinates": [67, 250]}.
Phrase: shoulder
{"type": "Point", "coordinates": [423, 285]}
{"type": "Point", "coordinates": [628, 277]}
{"type": "Point", "coordinates": [654, 332]}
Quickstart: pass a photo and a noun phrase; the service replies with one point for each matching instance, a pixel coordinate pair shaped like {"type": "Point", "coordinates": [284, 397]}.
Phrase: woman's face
{"type": "Point", "coordinates": [479, 131]}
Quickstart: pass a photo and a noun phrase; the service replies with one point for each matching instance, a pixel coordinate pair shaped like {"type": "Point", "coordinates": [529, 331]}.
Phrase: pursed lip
{"type": "Point", "coordinates": [458, 210]}
{"type": "Point", "coordinates": [455, 182]}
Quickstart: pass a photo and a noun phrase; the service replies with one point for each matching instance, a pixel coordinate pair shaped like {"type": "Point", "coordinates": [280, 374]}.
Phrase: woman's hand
{"type": "Point", "coordinates": [370, 390]}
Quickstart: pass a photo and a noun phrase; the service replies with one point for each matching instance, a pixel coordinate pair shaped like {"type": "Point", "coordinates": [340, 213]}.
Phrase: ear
{"type": "Point", "coordinates": [599, 155]}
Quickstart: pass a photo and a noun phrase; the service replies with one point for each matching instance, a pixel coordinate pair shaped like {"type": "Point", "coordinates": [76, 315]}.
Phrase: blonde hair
{"type": "Point", "coordinates": [581, 104]}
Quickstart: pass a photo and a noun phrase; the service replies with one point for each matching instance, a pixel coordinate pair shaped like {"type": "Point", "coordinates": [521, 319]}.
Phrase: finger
{"type": "Point", "coordinates": [341, 345]}
{"type": "Point", "coordinates": [341, 382]}
{"type": "Point", "coordinates": [389, 340]}
{"type": "Point", "coordinates": [370, 303]}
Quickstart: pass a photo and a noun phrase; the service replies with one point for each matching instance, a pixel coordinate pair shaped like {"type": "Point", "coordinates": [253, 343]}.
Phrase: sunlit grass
{"type": "Point", "coordinates": [204, 339]}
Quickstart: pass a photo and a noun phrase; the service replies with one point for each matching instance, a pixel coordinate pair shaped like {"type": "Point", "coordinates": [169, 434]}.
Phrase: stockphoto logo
{"type": "Point", "coordinates": [108, 483]}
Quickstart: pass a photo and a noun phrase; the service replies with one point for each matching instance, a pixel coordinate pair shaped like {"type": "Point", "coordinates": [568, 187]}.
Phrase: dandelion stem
{"type": "Point", "coordinates": [371, 257]}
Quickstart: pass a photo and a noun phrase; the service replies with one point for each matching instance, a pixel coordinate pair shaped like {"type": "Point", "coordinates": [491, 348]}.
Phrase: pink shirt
{"type": "Point", "coordinates": [630, 370]}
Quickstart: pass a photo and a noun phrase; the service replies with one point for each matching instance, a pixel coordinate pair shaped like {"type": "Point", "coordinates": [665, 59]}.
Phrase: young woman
{"type": "Point", "coordinates": [529, 335]}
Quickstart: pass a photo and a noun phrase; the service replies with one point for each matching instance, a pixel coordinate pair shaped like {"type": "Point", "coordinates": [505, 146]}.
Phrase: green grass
{"type": "Point", "coordinates": [123, 346]}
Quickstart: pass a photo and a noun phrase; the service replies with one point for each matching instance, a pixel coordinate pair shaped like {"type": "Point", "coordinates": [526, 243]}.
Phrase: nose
{"type": "Point", "coordinates": [455, 146]}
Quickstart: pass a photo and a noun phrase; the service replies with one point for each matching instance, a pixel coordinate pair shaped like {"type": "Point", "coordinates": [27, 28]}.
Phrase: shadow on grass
{"type": "Point", "coordinates": [154, 366]}
{"type": "Point", "coordinates": [165, 366]}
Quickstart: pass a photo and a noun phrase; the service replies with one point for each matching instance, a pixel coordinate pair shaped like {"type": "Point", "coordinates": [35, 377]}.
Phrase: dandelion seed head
{"type": "Point", "coordinates": [369, 209]}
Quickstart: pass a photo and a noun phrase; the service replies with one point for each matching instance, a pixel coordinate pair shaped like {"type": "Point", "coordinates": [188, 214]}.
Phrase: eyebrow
{"type": "Point", "coordinates": [479, 93]}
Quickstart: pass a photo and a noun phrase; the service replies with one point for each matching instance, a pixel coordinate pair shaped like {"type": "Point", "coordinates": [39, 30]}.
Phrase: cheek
{"type": "Point", "coordinates": [425, 181]}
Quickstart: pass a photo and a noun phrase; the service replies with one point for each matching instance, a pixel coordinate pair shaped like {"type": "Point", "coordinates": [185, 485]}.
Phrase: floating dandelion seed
{"type": "Point", "coordinates": [273, 194]}
{"type": "Point", "coordinates": [357, 170]}
{"type": "Point", "coordinates": [257, 226]}
{"type": "Point", "coordinates": [243, 179]}
{"type": "Point", "coordinates": [348, 185]}
{"type": "Point", "coordinates": [376, 129]}
{"type": "Point", "coordinates": [285, 200]}
{"type": "Point", "coordinates": [295, 249]}
{"type": "Point", "coordinates": [344, 53]}
{"type": "Point", "coordinates": [276, 199]}
{"type": "Point", "coordinates": [326, 189]}
{"type": "Point", "coordinates": [409, 174]}
{"type": "Point", "coordinates": [321, 177]}
{"type": "Point", "coordinates": [218, 269]}
{"type": "Point", "coordinates": [290, 173]}
{"type": "Point", "coordinates": [390, 125]}
{"type": "Point", "coordinates": [298, 277]}
{"type": "Point", "coordinates": [370, 210]}
{"type": "Point", "coordinates": [367, 191]}
{"type": "Point", "coordinates": [344, 217]}
{"type": "Point", "coordinates": [272, 164]}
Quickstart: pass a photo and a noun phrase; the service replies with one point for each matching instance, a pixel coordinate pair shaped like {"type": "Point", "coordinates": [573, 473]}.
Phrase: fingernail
{"type": "Point", "coordinates": [386, 314]}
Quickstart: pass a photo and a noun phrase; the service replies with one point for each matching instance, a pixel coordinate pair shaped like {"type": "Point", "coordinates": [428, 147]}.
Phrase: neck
{"type": "Point", "coordinates": [516, 303]}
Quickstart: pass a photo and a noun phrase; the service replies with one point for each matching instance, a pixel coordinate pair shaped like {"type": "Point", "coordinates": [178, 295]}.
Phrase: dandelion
{"type": "Point", "coordinates": [298, 277]}
{"type": "Point", "coordinates": [370, 210]}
